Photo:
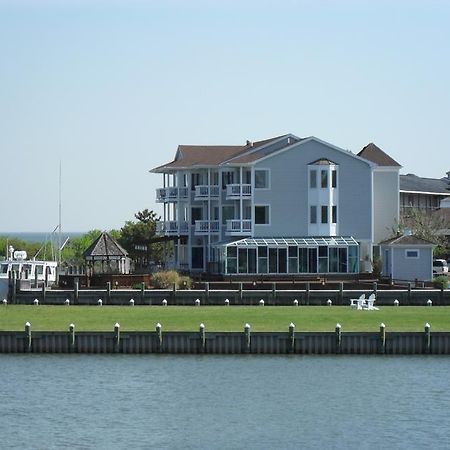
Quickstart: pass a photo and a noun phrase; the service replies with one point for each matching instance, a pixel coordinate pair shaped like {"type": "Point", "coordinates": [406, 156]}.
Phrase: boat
{"type": "Point", "coordinates": [33, 272]}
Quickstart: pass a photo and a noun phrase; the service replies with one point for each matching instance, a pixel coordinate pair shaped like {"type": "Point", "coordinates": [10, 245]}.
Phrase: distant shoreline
{"type": "Point", "coordinates": [37, 236]}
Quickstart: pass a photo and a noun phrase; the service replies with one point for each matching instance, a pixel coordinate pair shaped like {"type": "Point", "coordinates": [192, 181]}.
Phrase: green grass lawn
{"type": "Point", "coordinates": [222, 318]}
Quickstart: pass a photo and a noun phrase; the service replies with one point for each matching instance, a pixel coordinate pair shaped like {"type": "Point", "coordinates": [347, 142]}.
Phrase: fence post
{"type": "Point", "coordinates": [13, 288]}
{"type": "Point", "coordinates": [202, 337]}
{"type": "Point", "coordinates": [116, 337]}
{"type": "Point", "coordinates": [240, 293]}
{"type": "Point", "coordinates": [28, 337]}
{"type": "Point", "coordinates": [307, 293]}
{"type": "Point", "coordinates": [247, 338]}
{"type": "Point", "coordinates": [158, 329]}
{"type": "Point", "coordinates": [274, 293]}
{"type": "Point", "coordinates": [341, 293]}
{"type": "Point", "coordinates": [76, 292]}
{"type": "Point", "coordinates": [409, 294]}
{"type": "Point", "coordinates": [71, 337]}
{"type": "Point", "coordinates": [142, 292]}
{"type": "Point", "coordinates": [382, 346]}
{"type": "Point", "coordinates": [44, 293]}
{"type": "Point", "coordinates": [108, 291]}
{"type": "Point", "coordinates": [207, 292]}
{"type": "Point", "coordinates": [338, 336]}
{"type": "Point", "coordinates": [291, 338]}
{"type": "Point", "coordinates": [427, 338]}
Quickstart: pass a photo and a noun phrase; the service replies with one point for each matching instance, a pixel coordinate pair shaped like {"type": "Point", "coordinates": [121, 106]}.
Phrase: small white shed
{"type": "Point", "coordinates": [407, 258]}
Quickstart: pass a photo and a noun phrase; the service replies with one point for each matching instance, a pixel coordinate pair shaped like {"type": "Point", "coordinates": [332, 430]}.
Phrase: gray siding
{"type": "Point", "coordinates": [386, 203]}
{"type": "Point", "coordinates": [288, 195]}
{"type": "Point", "coordinates": [410, 269]}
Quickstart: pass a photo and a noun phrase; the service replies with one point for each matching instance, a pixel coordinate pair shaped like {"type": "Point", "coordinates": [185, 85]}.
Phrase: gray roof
{"type": "Point", "coordinates": [407, 240]}
{"type": "Point", "coordinates": [413, 183]}
{"type": "Point", "coordinates": [105, 246]}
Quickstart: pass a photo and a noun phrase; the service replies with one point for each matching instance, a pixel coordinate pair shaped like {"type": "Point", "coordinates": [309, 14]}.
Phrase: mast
{"type": "Point", "coordinates": [59, 215]}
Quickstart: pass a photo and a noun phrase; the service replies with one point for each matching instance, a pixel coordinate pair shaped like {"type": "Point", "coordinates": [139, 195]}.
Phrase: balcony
{"type": "Point", "coordinates": [204, 192]}
{"type": "Point", "coordinates": [172, 228]}
{"type": "Point", "coordinates": [171, 194]}
{"type": "Point", "coordinates": [236, 227]}
{"type": "Point", "coordinates": [238, 191]}
{"type": "Point", "coordinates": [206, 226]}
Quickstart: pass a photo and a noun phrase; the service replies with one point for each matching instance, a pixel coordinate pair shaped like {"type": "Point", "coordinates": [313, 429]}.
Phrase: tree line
{"type": "Point", "coordinates": [137, 237]}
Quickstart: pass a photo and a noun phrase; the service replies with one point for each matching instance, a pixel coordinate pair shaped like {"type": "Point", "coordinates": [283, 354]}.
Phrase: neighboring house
{"type": "Point", "coordinates": [285, 205]}
{"type": "Point", "coordinates": [425, 194]}
{"type": "Point", "coordinates": [407, 258]}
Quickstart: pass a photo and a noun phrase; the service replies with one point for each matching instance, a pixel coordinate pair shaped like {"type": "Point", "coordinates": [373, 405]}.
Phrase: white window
{"type": "Point", "coordinates": [261, 179]}
{"type": "Point", "coordinates": [262, 215]}
{"type": "Point", "coordinates": [412, 254]}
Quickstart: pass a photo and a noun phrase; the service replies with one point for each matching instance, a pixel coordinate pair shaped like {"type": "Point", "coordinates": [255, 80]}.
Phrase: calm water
{"type": "Point", "coordinates": [208, 402]}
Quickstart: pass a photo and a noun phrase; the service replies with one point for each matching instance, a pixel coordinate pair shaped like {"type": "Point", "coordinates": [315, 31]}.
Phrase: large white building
{"type": "Point", "coordinates": [285, 205]}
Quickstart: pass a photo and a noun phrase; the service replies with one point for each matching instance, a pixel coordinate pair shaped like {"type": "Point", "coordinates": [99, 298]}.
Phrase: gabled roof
{"type": "Point", "coordinates": [323, 162]}
{"type": "Point", "coordinates": [105, 246]}
{"type": "Point", "coordinates": [406, 240]}
{"type": "Point", "coordinates": [413, 183]}
{"type": "Point", "coordinates": [214, 155]}
{"type": "Point", "coordinates": [376, 155]}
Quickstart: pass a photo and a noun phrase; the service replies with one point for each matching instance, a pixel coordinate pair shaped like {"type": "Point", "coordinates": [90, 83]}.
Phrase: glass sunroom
{"type": "Point", "coordinates": [289, 255]}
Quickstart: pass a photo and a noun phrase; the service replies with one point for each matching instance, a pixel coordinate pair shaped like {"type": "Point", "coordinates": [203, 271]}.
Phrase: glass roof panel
{"type": "Point", "coordinates": [283, 242]}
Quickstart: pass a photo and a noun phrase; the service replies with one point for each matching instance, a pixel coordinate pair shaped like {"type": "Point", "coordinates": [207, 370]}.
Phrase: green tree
{"type": "Point", "coordinates": [139, 239]}
{"type": "Point", "coordinates": [426, 225]}
{"type": "Point", "coordinates": [32, 248]}
{"type": "Point", "coordinates": [72, 253]}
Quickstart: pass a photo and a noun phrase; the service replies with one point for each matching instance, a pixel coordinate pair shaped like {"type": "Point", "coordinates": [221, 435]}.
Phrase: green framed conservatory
{"type": "Point", "coordinates": [274, 256]}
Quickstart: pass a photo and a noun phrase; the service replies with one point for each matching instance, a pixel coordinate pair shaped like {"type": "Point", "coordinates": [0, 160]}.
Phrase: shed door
{"type": "Point", "coordinates": [387, 263]}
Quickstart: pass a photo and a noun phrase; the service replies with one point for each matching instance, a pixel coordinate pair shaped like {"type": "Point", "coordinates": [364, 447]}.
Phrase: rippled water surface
{"type": "Point", "coordinates": [224, 402]}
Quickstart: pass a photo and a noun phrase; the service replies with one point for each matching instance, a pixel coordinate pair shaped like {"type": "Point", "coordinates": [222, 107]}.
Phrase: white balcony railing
{"type": "Point", "coordinates": [236, 226]}
{"type": "Point", "coordinates": [172, 228]}
{"type": "Point", "coordinates": [236, 191]}
{"type": "Point", "coordinates": [171, 194]}
{"type": "Point", "coordinates": [206, 226]}
{"type": "Point", "coordinates": [205, 191]}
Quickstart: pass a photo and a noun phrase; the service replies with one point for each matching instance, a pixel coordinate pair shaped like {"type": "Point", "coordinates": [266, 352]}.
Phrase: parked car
{"type": "Point", "coordinates": [440, 267]}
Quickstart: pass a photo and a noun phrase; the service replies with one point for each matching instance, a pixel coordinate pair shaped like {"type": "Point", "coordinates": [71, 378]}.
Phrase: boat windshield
{"type": "Point", "coordinates": [15, 267]}
{"type": "Point", "coordinates": [4, 268]}
{"type": "Point", "coordinates": [27, 267]}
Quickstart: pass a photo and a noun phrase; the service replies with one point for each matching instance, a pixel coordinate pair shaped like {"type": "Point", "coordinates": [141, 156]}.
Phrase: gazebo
{"type": "Point", "coordinates": [105, 255]}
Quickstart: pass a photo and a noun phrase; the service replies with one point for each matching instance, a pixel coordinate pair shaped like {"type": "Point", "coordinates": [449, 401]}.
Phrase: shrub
{"type": "Point", "coordinates": [440, 282]}
{"type": "Point", "coordinates": [167, 278]}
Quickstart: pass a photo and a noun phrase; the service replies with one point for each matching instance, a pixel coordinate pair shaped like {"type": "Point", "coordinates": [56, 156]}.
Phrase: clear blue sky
{"type": "Point", "coordinates": [111, 88]}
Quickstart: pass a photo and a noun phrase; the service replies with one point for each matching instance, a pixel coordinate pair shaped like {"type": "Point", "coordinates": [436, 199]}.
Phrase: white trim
{"type": "Point", "coordinates": [313, 138]}
{"type": "Point", "coordinates": [387, 168]}
{"type": "Point", "coordinates": [402, 191]}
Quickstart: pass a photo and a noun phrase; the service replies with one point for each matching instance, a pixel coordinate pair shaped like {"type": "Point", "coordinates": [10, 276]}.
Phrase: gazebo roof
{"type": "Point", "coordinates": [105, 247]}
